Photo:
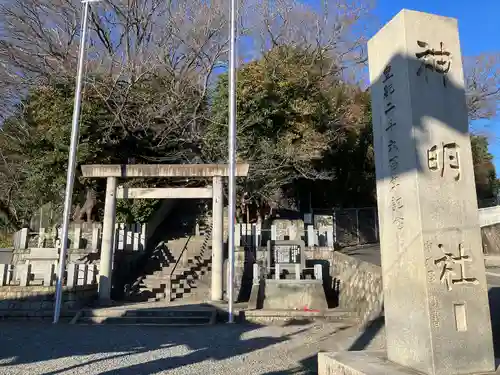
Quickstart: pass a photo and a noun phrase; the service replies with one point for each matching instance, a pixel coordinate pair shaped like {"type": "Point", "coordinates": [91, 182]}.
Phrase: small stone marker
{"type": "Point", "coordinates": [311, 236]}
{"type": "Point", "coordinates": [318, 272]}
{"type": "Point", "coordinates": [24, 273]}
{"type": "Point", "coordinates": [72, 275]}
{"type": "Point", "coordinates": [4, 272]}
{"type": "Point", "coordinates": [274, 232]}
{"type": "Point", "coordinates": [298, 271]}
{"type": "Point", "coordinates": [136, 242]}
{"type": "Point", "coordinates": [91, 274]}
{"type": "Point", "coordinates": [277, 271]}
{"type": "Point", "coordinates": [329, 237]}
{"type": "Point", "coordinates": [435, 294]}
{"type": "Point", "coordinates": [95, 237]}
{"type": "Point", "coordinates": [256, 273]}
{"type": "Point", "coordinates": [41, 238]}
{"type": "Point", "coordinates": [48, 276]}
{"type": "Point", "coordinates": [77, 237]}
{"type": "Point", "coordinates": [143, 237]}
{"type": "Point", "coordinates": [81, 278]}
{"type": "Point", "coordinates": [237, 235]}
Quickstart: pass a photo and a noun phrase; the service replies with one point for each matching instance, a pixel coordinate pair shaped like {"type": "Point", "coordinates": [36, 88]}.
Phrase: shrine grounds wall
{"type": "Point", "coordinates": [349, 283]}
{"type": "Point", "coordinates": [38, 301]}
{"type": "Point", "coordinates": [359, 286]}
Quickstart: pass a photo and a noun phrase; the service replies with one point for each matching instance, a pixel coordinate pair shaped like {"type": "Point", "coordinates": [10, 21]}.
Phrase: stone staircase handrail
{"type": "Point", "coordinates": [181, 256]}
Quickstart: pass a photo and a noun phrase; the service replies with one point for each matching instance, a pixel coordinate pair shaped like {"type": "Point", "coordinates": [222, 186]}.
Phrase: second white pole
{"type": "Point", "coordinates": [232, 154]}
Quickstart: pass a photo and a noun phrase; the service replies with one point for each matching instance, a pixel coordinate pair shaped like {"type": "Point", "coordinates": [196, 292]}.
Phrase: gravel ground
{"type": "Point", "coordinates": [41, 348]}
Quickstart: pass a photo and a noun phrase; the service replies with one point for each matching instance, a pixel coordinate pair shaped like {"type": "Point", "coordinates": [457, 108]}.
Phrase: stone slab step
{"type": "Point", "coordinates": [154, 284]}
{"type": "Point", "coordinates": [65, 315]}
{"type": "Point", "coordinates": [159, 274]}
{"type": "Point", "coordinates": [157, 321]}
{"type": "Point", "coordinates": [285, 316]}
{"type": "Point", "coordinates": [148, 312]}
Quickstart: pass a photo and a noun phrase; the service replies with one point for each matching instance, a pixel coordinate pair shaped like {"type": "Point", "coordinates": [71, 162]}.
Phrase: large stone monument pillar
{"type": "Point", "coordinates": [217, 239]}
{"type": "Point", "coordinates": [437, 317]}
{"type": "Point", "coordinates": [108, 232]}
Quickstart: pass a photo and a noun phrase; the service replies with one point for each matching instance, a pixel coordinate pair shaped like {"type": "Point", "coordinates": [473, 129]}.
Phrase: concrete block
{"type": "Point", "coordinates": [365, 363]}
{"type": "Point", "coordinates": [293, 294]}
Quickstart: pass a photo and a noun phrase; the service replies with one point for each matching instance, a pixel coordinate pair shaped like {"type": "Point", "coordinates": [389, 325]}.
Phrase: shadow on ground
{"type": "Point", "coordinates": [34, 342]}
{"type": "Point", "coordinates": [308, 366]}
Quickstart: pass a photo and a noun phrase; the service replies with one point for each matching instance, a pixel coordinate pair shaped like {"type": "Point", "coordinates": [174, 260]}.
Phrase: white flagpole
{"type": "Point", "coordinates": [70, 178]}
{"type": "Point", "coordinates": [232, 153]}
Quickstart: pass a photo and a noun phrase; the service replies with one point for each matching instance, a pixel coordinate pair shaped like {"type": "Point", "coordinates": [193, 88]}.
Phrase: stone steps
{"type": "Point", "coordinates": [31, 314]}
{"type": "Point", "coordinates": [163, 280]}
{"type": "Point", "coordinates": [183, 280]}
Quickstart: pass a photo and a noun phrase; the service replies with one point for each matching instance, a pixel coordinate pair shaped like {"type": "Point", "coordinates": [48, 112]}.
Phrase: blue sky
{"type": "Point", "coordinates": [479, 29]}
{"type": "Point", "coordinates": [479, 32]}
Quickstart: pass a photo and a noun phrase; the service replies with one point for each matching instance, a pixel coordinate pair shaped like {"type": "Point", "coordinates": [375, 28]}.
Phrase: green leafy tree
{"type": "Point", "coordinates": [35, 144]}
{"type": "Point", "coordinates": [293, 110]}
{"type": "Point", "coordinates": [484, 170]}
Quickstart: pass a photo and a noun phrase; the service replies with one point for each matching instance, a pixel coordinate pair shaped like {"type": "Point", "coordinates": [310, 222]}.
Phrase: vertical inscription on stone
{"type": "Point", "coordinates": [460, 317]}
{"type": "Point", "coordinates": [392, 149]}
{"type": "Point", "coordinates": [434, 312]}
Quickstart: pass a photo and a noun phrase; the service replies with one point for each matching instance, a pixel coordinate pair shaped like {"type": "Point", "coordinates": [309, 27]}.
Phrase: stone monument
{"type": "Point", "coordinates": [285, 283]}
{"type": "Point", "coordinates": [437, 316]}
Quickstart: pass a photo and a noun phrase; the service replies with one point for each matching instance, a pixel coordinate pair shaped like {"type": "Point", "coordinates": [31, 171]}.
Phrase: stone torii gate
{"type": "Point", "coordinates": [113, 172]}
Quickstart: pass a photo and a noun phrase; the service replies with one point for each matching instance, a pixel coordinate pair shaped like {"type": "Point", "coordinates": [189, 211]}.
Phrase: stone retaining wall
{"type": "Point", "coordinates": [491, 239]}
{"type": "Point", "coordinates": [38, 301]}
{"type": "Point", "coordinates": [359, 286]}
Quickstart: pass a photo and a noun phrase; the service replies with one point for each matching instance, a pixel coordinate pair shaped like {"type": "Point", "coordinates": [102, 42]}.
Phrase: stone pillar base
{"type": "Point", "coordinates": [364, 363]}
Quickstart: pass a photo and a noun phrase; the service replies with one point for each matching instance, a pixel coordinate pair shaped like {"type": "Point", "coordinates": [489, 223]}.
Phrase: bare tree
{"type": "Point", "coordinates": [482, 78]}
